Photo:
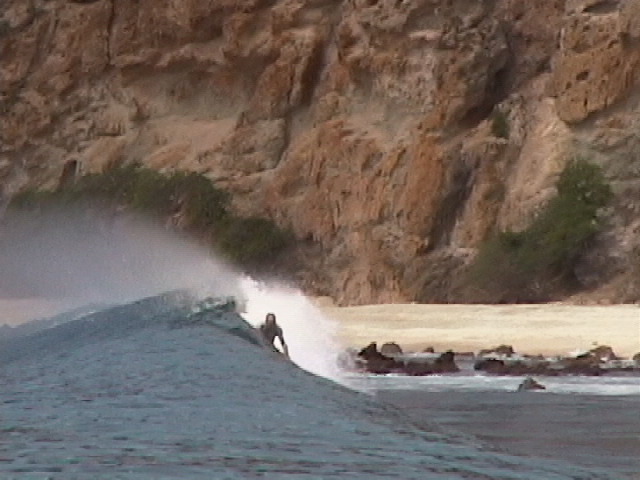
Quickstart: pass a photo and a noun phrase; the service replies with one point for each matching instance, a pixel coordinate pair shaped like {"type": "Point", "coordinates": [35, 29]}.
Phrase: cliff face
{"type": "Point", "coordinates": [365, 126]}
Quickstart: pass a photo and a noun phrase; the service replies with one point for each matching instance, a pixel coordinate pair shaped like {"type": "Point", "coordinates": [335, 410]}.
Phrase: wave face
{"type": "Point", "coordinates": [172, 388]}
{"type": "Point", "coordinates": [310, 335]}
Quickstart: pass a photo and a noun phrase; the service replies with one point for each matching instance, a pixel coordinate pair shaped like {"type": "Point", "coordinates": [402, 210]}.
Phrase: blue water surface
{"type": "Point", "coordinates": [150, 391]}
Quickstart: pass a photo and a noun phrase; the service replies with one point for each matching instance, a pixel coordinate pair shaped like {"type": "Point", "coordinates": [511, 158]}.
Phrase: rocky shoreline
{"type": "Point", "coordinates": [501, 360]}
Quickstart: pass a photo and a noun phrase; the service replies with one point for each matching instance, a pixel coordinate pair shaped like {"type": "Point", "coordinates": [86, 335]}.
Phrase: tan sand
{"type": "Point", "coordinates": [547, 329]}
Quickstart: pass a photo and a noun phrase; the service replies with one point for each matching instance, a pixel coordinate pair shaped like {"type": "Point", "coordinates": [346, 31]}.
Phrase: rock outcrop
{"type": "Point", "coordinates": [599, 361]}
{"type": "Point", "coordinates": [366, 127]}
{"type": "Point", "coordinates": [530, 384]}
{"type": "Point", "coordinates": [370, 360]}
{"type": "Point", "coordinates": [390, 349]}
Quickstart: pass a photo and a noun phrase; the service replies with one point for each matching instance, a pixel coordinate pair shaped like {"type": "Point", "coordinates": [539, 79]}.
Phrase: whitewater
{"type": "Point", "coordinates": [153, 374]}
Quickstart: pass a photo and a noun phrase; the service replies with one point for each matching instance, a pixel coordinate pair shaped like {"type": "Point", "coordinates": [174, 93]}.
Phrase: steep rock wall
{"type": "Point", "coordinates": [364, 126]}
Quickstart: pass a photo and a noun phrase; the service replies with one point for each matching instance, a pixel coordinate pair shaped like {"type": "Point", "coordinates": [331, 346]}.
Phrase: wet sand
{"type": "Point", "coordinates": [550, 329]}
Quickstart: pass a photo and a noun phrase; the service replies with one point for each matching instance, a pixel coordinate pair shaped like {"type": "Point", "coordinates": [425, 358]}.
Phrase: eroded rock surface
{"type": "Point", "coordinates": [365, 127]}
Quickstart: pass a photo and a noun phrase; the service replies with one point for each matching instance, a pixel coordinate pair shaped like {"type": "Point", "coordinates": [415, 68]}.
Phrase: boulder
{"type": "Point", "coordinates": [376, 362]}
{"type": "Point", "coordinates": [419, 368]}
{"type": "Point", "coordinates": [445, 363]}
{"type": "Point", "coordinates": [506, 350]}
{"type": "Point", "coordinates": [390, 349]}
{"type": "Point", "coordinates": [604, 353]}
{"type": "Point", "coordinates": [530, 384]}
{"type": "Point", "coordinates": [500, 367]}
{"type": "Point", "coordinates": [585, 364]}
{"type": "Point", "coordinates": [490, 365]}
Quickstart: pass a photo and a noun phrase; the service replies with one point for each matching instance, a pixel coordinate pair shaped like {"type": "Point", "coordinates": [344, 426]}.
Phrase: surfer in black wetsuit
{"type": "Point", "coordinates": [270, 330]}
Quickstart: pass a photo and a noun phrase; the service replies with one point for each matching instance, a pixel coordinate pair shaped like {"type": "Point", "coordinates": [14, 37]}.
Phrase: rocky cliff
{"type": "Point", "coordinates": [371, 128]}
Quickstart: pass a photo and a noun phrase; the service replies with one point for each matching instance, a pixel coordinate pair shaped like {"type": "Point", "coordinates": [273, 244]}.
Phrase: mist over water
{"type": "Point", "coordinates": [76, 259]}
{"type": "Point", "coordinates": [79, 258]}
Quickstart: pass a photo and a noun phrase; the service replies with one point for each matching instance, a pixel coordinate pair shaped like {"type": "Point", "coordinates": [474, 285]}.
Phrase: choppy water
{"type": "Point", "coordinates": [479, 383]}
{"type": "Point", "coordinates": [594, 431]}
{"type": "Point", "coordinates": [589, 421]}
{"type": "Point", "coordinates": [138, 392]}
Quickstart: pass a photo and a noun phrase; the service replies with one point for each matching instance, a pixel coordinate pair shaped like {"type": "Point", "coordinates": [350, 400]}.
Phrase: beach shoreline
{"type": "Point", "coordinates": [546, 329]}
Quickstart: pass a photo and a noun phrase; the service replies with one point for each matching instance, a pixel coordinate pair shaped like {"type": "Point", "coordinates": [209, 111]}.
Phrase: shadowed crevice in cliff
{"type": "Point", "coordinates": [312, 74]}
{"type": "Point", "coordinates": [459, 187]}
{"type": "Point", "coordinates": [109, 33]}
{"type": "Point", "coordinates": [497, 90]}
{"type": "Point", "coordinates": [603, 7]}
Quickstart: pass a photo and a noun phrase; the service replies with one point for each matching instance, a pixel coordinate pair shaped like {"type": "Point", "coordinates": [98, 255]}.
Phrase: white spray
{"type": "Point", "coordinates": [310, 335]}
{"type": "Point", "coordinates": [75, 259]}
{"type": "Point", "coordinates": [79, 258]}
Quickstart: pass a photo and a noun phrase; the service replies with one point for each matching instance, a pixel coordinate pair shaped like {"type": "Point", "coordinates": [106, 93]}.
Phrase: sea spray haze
{"type": "Point", "coordinates": [78, 256]}
{"type": "Point", "coordinates": [84, 256]}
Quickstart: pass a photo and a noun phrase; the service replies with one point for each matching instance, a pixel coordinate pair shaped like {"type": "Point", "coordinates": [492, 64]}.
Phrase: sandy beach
{"type": "Point", "coordinates": [549, 329]}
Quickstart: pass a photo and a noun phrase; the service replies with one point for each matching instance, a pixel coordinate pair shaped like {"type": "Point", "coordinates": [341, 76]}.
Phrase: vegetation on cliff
{"type": "Point", "coordinates": [189, 199]}
{"type": "Point", "coordinates": [500, 124]}
{"type": "Point", "coordinates": [533, 264]}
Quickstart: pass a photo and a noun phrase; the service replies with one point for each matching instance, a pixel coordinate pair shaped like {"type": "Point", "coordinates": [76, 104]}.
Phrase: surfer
{"type": "Point", "coordinates": [270, 330]}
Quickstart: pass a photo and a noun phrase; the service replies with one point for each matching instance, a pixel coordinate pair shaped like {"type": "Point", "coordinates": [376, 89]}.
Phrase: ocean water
{"type": "Point", "coordinates": [593, 431]}
{"type": "Point", "coordinates": [163, 388]}
{"type": "Point", "coordinates": [593, 422]}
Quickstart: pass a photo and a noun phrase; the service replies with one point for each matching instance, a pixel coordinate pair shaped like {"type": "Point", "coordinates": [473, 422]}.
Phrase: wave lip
{"type": "Point", "coordinates": [170, 387]}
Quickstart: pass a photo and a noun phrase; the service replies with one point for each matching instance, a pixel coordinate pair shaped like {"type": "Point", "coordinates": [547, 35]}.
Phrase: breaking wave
{"type": "Point", "coordinates": [174, 386]}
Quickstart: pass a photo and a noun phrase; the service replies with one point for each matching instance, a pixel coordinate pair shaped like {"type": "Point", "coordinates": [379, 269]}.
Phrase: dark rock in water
{"type": "Point", "coordinates": [369, 351]}
{"type": "Point", "coordinates": [418, 369]}
{"type": "Point", "coordinates": [445, 363]}
{"type": "Point", "coordinates": [636, 357]}
{"type": "Point", "coordinates": [506, 350]}
{"type": "Point", "coordinates": [429, 350]}
{"type": "Point", "coordinates": [496, 366]}
{"type": "Point", "coordinates": [530, 384]}
{"type": "Point", "coordinates": [604, 353]}
{"type": "Point", "coordinates": [390, 348]}
{"type": "Point", "coordinates": [586, 364]}
{"type": "Point", "coordinates": [376, 362]}
{"type": "Point", "coordinates": [490, 365]}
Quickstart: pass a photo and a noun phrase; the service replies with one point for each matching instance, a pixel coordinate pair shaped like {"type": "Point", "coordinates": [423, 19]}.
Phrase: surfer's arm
{"type": "Point", "coordinates": [285, 350]}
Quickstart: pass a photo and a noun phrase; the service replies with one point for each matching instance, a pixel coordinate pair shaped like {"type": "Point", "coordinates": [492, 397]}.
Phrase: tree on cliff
{"type": "Point", "coordinates": [533, 264]}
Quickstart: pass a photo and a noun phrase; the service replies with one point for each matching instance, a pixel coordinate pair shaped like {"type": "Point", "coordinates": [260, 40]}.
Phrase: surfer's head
{"type": "Point", "coordinates": [270, 318]}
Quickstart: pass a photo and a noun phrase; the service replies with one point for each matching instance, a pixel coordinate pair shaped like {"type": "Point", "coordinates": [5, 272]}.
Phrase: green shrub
{"type": "Point", "coordinates": [204, 208]}
{"type": "Point", "coordinates": [253, 240]}
{"type": "Point", "coordinates": [204, 205]}
{"type": "Point", "coordinates": [524, 265]}
{"type": "Point", "coordinates": [500, 124]}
